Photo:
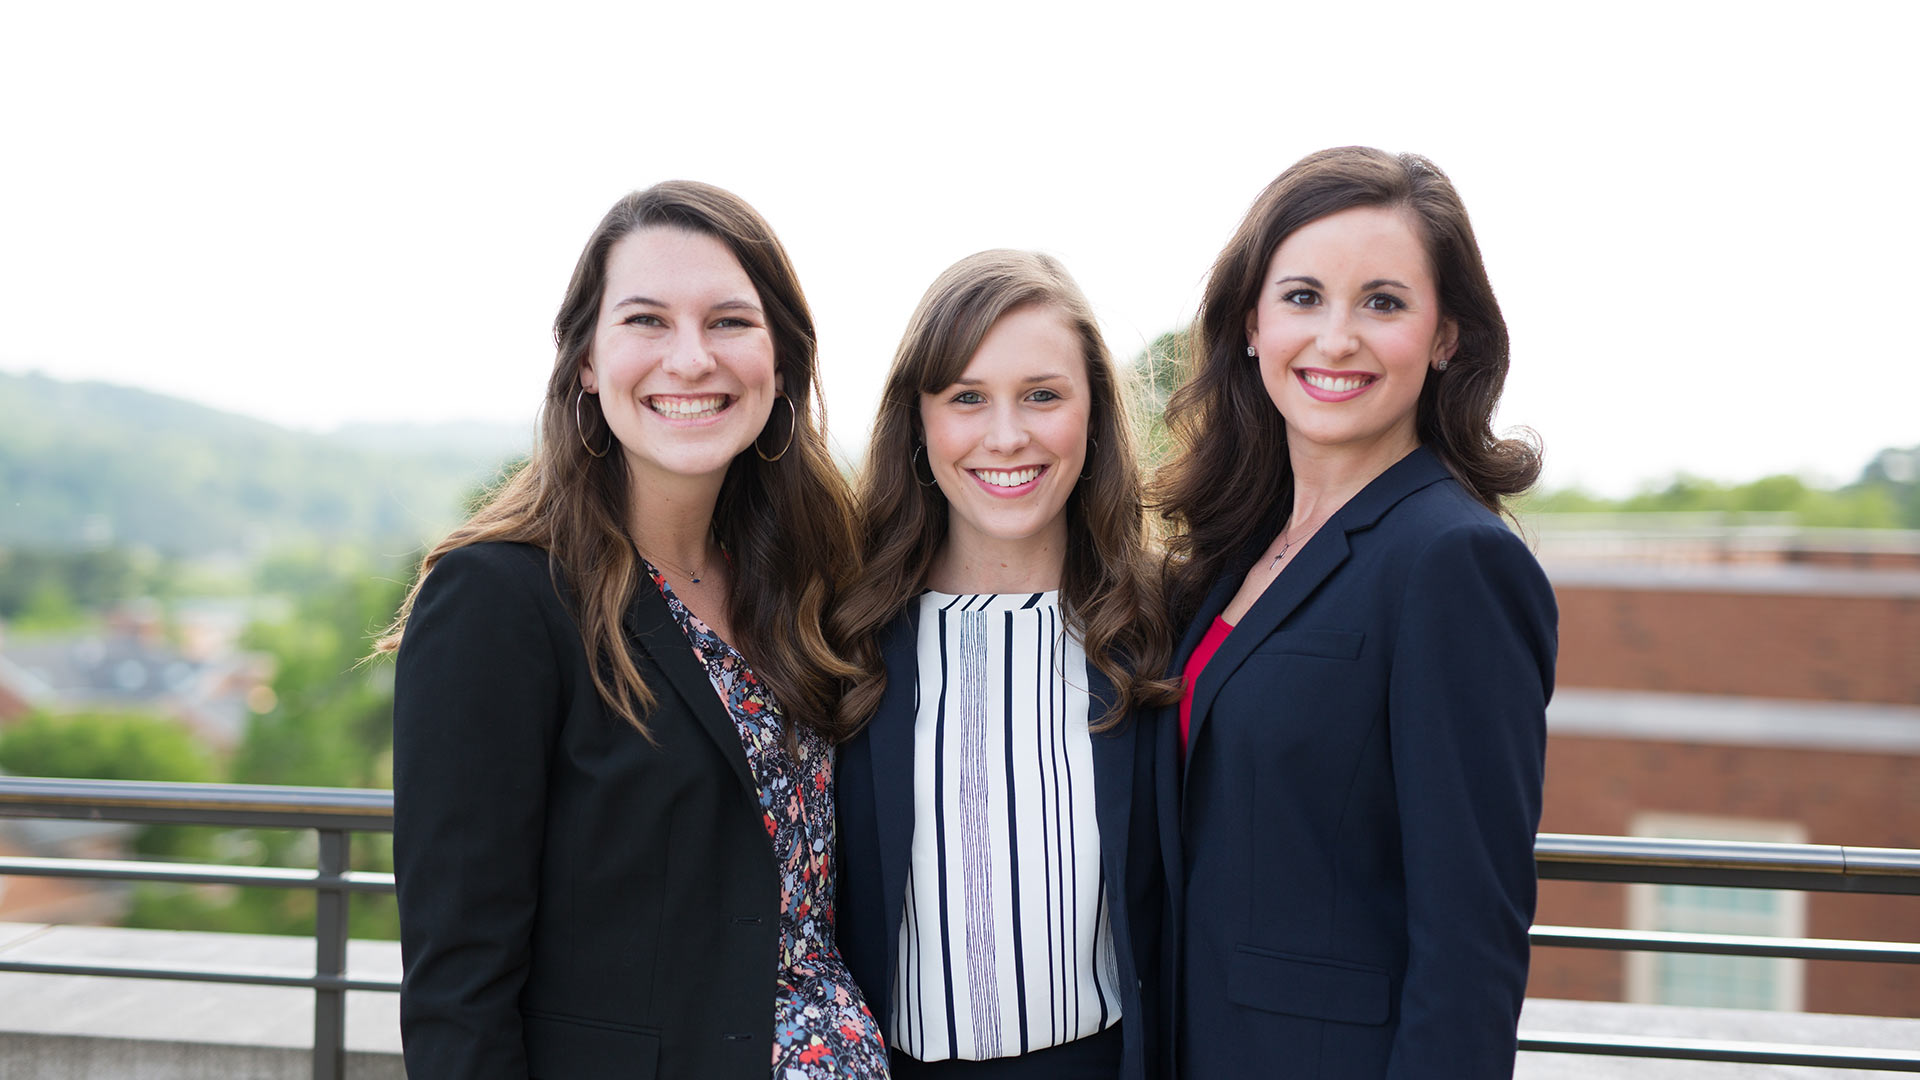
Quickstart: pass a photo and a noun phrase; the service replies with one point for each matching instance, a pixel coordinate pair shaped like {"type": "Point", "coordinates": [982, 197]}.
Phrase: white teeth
{"type": "Point", "coordinates": [688, 408]}
{"type": "Point", "coordinates": [1008, 477]}
{"type": "Point", "coordinates": [1336, 383]}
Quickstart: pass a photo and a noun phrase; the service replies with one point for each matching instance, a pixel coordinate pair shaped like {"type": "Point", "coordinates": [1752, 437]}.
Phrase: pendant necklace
{"type": "Point", "coordinates": [1286, 543]}
{"type": "Point", "coordinates": [692, 575]}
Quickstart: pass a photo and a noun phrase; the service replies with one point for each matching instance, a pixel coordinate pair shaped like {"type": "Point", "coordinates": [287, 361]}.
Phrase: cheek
{"type": "Point", "coordinates": [946, 440]}
{"type": "Point", "coordinates": [753, 363]}
{"type": "Point", "coordinates": [1417, 347]}
{"type": "Point", "coordinates": [1068, 436]}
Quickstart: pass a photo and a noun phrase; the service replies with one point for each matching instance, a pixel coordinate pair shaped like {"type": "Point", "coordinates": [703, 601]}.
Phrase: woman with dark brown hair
{"type": "Point", "coordinates": [614, 703]}
{"type": "Point", "coordinates": [1349, 788]}
{"type": "Point", "coordinates": [1000, 886]}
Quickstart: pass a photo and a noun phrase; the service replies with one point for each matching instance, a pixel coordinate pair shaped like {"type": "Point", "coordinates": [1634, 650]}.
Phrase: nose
{"type": "Point", "coordinates": [1006, 433]}
{"type": "Point", "coordinates": [1337, 338]}
{"type": "Point", "coordinates": [688, 356]}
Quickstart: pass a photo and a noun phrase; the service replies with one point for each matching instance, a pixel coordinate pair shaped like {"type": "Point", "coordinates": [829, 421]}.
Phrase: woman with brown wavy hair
{"type": "Point", "coordinates": [1000, 888]}
{"type": "Point", "coordinates": [614, 703]}
{"type": "Point", "coordinates": [1350, 785]}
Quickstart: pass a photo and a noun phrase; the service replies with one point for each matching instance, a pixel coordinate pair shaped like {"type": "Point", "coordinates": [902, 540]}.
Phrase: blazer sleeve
{"type": "Point", "coordinates": [477, 698]}
{"type": "Point", "coordinates": [1472, 671]}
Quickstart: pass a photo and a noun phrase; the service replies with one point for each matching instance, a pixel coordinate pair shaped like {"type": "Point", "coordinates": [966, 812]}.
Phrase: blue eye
{"type": "Point", "coordinates": [641, 319]}
{"type": "Point", "coordinates": [968, 397]}
{"type": "Point", "coordinates": [731, 323]}
{"type": "Point", "coordinates": [1043, 395]}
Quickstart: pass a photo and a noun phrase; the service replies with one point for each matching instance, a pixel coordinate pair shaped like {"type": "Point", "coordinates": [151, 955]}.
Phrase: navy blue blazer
{"type": "Point", "coordinates": [874, 796]}
{"type": "Point", "coordinates": [1355, 821]}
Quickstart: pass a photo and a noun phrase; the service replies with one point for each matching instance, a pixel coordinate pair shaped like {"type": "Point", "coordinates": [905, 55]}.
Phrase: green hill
{"type": "Point", "coordinates": [85, 464]}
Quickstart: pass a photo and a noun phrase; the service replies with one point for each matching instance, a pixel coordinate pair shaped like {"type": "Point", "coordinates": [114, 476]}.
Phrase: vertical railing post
{"type": "Point", "coordinates": [330, 958]}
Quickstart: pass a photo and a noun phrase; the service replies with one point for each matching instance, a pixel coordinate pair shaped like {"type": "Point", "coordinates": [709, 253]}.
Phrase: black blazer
{"type": "Point", "coordinates": [575, 902]}
{"type": "Point", "coordinates": [1355, 824]}
{"type": "Point", "coordinates": [874, 792]}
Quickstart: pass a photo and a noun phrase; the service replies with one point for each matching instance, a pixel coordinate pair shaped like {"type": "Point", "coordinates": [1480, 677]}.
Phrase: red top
{"type": "Point", "coordinates": [1197, 663]}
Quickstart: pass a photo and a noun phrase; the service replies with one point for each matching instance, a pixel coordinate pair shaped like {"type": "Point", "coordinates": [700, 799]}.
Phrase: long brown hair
{"type": "Point", "coordinates": [1109, 589]}
{"type": "Point", "coordinates": [786, 525]}
{"type": "Point", "coordinates": [1231, 481]}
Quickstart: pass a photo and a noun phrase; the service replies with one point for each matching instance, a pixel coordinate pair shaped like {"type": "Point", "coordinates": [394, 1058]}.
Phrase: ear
{"type": "Point", "coordinates": [1253, 324]}
{"type": "Point", "coordinates": [779, 379]}
{"type": "Point", "coordinates": [1447, 342]}
{"type": "Point", "coordinates": [588, 381]}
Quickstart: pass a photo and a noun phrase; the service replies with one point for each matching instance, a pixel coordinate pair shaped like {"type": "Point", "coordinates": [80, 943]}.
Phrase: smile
{"type": "Point", "coordinates": [1009, 478]}
{"type": "Point", "coordinates": [689, 408]}
{"type": "Point", "coordinates": [1335, 386]}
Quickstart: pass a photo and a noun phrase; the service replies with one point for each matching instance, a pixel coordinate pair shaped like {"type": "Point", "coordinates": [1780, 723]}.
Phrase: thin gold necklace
{"type": "Point", "coordinates": [693, 575]}
{"type": "Point", "coordinates": [1286, 541]}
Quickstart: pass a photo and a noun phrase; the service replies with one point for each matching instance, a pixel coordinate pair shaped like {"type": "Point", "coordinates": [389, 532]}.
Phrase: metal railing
{"type": "Point", "coordinates": [1735, 864]}
{"type": "Point", "coordinates": [335, 814]}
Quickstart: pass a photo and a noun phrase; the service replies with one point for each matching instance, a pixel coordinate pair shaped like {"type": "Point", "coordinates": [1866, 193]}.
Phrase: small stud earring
{"type": "Point", "coordinates": [1251, 352]}
{"type": "Point", "coordinates": [1441, 366]}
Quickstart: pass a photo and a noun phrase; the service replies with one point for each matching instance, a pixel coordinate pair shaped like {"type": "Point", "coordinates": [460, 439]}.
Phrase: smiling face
{"type": "Point", "coordinates": [1007, 441]}
{"type": "Point", "coordinates": [682, 357]}
{"type": "Point", "coordinates": [1347, 326]}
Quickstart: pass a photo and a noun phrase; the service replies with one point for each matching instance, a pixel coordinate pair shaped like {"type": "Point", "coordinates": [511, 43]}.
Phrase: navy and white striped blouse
{"type": "Point", "coordinates": [1005, 946]}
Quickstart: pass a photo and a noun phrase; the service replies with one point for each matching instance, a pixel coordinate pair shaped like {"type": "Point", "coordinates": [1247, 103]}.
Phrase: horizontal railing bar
{"type": "Point", "coordinates": [1748, 1053]}
{"type": "Point", "coordinates": [208, 975]}
{"type": "Point", "coordinates": [1588, 937]}
{"type": "Point", "coordinates": [371, 810]}
{"type": "Point", "coordinates": [253, 805]}
{"type": "Point", "coordinates": [271, 877]}
{"type": "Point", "coordinates": [1737, 864]}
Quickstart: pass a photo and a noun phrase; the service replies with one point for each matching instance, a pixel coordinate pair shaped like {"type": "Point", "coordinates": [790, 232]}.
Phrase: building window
{"type": "Point", "coordinates": [1737, 982]}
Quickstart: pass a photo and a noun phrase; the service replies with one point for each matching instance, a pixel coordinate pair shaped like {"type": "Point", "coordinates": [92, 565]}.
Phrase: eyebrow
{"type": "Point", "coordinates": [1048, 377]}
{"type": "Point", "coordinates": [732, 304]}
{"type": "Point", "coordinates": [1374, 284]}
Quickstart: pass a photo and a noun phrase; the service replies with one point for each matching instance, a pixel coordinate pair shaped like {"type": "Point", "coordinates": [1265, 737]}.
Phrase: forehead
{"type": "Point", "coordinates": [671, 264]}
{"type": "Point", "coordinates": [1027, 342]}
{"type": "Point", "coordinates": [1363, 243]}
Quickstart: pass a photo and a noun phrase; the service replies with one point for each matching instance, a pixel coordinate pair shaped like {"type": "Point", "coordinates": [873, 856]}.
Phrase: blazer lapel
{"type": "Point", "coordinates": [890, 745]}
{"type": "Point", "coordinates": [1321, 556]}
{"type": "Point", "coordinates": [650, 627]}
{"type": "Point", "coordinates": [1112, 777]}
{"type": "Point", "coordinates": [1168, 754]}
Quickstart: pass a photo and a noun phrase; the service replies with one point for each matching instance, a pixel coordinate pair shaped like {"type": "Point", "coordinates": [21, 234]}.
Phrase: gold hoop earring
{"type": "Point", "coordinates": [793, 424]}
{"type": "Point", "coordinates": [580, 427]}
{"type": "Point", "coordinates": [914, 464]}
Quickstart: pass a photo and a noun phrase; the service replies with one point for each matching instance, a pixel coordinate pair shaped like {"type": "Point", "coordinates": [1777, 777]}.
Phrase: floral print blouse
{"type": "Point", "coordinates": [821, 1025]}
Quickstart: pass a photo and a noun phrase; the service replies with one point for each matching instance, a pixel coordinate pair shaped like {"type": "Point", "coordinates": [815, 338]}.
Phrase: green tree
{"type": "Point", "coordinates": [1154, 374]}
{"type": "Point", "coordinates": [108, 745]}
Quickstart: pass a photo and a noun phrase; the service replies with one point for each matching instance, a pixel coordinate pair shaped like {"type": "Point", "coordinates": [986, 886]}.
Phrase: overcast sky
{"type": "Point", "coordinates": [1701, 219]}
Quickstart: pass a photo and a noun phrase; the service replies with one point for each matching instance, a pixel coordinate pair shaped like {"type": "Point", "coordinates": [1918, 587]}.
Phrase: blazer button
{"type": "Point", "coordinates": [746, 920]}
{"type": "Point", "coordinates": [736, 1036]}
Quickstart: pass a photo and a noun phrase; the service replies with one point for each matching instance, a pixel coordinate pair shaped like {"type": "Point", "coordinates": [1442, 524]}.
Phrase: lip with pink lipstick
{"type": "Point", "coordinates": [688, 408]}
{"type": "Point", "coordinates": [1008, 483]}
{"type": "Point", "coordinates": [1323, 385]}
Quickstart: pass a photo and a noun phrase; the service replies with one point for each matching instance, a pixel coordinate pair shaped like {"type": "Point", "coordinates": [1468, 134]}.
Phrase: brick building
{"type": "Point", "coordinates": [1738, 685]}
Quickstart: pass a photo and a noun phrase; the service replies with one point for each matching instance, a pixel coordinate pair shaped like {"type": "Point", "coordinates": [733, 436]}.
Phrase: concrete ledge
{"type": "Point", "coordinates": [61, 1027]}
{"type": "Point", "coordinates": [1678, 1022]}
{"type": "Point", "coordinates": [68, 1027]}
